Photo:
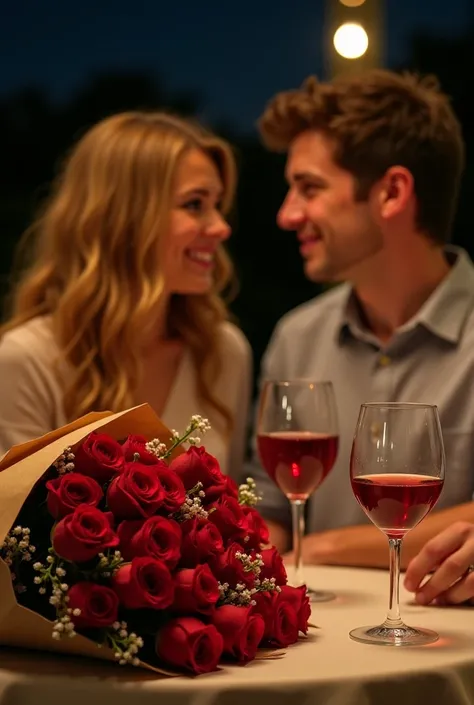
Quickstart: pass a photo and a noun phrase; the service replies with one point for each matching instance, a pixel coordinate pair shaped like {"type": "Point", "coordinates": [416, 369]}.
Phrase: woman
{"type": "Point", "coordinates": [122, 301]}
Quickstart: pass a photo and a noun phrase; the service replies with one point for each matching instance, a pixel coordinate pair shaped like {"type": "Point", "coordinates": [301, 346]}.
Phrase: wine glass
{"type": "Point", "coordinates": [297, 440]}
{"type": "Point", "coordinates": [397, 474]}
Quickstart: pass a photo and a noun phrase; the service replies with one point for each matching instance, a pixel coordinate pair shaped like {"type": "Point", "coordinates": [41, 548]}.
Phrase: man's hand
{"type": "Point", "coordinates": [449, 556]}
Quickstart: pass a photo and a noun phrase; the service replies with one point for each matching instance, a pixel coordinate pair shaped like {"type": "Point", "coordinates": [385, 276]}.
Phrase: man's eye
{"type": "Point", "coordinates": [309, 190]}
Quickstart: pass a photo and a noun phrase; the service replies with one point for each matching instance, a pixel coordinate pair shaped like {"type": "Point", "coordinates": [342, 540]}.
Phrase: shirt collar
{"type": "Point", "coordinates": [443, 314]}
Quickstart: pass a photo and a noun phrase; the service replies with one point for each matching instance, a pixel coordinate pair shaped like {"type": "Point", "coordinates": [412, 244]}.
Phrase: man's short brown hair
{"type": "Point", "coordinates": [376, 120]}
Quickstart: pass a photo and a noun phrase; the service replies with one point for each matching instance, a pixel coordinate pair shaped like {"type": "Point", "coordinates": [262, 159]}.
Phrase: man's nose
{"type": "Point", "coordinates": [291, 214]}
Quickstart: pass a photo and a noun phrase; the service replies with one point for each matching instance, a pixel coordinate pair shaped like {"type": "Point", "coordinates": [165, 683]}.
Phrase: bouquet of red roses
{"type": "Point", "coordinates": [149, 552]}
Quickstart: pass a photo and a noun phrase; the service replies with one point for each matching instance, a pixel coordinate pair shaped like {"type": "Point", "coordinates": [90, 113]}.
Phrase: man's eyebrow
{"type": "Point", "coordinates": [299, 176]}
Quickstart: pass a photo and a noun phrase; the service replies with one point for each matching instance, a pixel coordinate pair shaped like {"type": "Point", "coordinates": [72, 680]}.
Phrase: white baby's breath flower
{"type": "Point", "coordinates": [14, 549]}
{"type": "Point", "coordinates": [156, 447]}
{"type": "Point", "coordinates": [200, 423]}
{"type": "Point", "coordinates": [65, 462]}
{"type": "Point", "coordinates": [125, 645]}
{"type": "Point", "coordinates": [247, 493]}
{"type": "Point", "coordinates": [191, 508]}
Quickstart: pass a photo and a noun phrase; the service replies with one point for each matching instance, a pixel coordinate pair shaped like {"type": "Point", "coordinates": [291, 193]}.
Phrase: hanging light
{"type": "Point", "coordinates": [352, 3]}
{"type": "Point", "coordinates": [351, 40]}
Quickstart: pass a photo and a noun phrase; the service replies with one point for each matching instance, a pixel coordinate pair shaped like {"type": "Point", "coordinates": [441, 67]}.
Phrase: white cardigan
{"type": "Point", "coordinates": [31, 399]}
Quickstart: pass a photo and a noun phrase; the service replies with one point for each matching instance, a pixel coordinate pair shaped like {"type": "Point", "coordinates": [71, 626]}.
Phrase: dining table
{"type": "Point", "coordinates": [326, 667]}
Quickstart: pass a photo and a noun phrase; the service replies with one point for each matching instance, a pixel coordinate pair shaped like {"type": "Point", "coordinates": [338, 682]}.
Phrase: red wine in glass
{"type": "Point", "coordinates": [395, 502]}
{"type": "Point", "coordinates": [297, 440]}
{"type": "Point", "coordinates": [397, 473]}
{"type": "Point", "coordinates": [297, 461]}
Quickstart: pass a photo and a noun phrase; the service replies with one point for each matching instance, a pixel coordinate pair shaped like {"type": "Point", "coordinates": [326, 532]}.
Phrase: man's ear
{"type": "Point", "coordinates": [396, 189]}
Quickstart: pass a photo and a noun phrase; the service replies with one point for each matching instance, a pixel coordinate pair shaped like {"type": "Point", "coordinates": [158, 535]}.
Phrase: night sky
{"type": "Point", "coordinates": [235, 56]}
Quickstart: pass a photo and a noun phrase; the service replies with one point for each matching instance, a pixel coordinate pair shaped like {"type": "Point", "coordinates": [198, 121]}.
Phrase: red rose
{"type": "Point", "coordinates": [201, 542]}
{"type": "Point", "coordinates": [231, 487]}
{"type": "Point", "coordinates": [156, 537]}
{"type": "Point", "coordinates": [273, 566]}
{"type": "Point", "coordinates": [69, 491]}
{"type": "Point", "coordinates": [136, 492]}
{"type": "Point", "coordinates": [198, 466]}
{"type": "Point", "coordinates": [285, 624]}
{"type": "Point", "coordinates": [265, 606]}
{"type": "Point", "coordinates": [98, 604]}
{"type": "Point", "coordinates": [229, 518]}
{"type": "Point", "coordinates": [145, 582]}
{"type": "Point", "coordinates": [196, 590]}
{"type": "Point", "coordinates": [175, 494]}
{"type": "Point", "coordinates": [228, 568]}
{"type": "Point", "coordinates": [189, 644]}
{"type": "Point", "coordinates": [99, 456]}
{"type": "Point", "coordinates": [83, 534]}
{"type": "Point", "coordinates": [137, 444]}
{"type": "Point", "coordinates": [298, 598]}
{"type": "Point", "coordinates": [242, 631]}
{"type": "Point", "coordinates": [257, 530]}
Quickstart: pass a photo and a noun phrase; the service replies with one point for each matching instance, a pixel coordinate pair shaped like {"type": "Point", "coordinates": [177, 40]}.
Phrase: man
{"type": "Point", "coordinates": [373, 168]}
{"type": "Point", "coordinates": [450, 558]}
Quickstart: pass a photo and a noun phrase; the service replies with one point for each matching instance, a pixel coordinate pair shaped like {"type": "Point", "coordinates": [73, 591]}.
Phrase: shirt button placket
{"type": "Point", "coordinates": [382, 382]}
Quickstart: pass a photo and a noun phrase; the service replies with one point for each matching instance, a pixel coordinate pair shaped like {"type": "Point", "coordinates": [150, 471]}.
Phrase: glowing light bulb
{"type": "Point", "coordinates": [352, 3]}
{"type": "Point", "coordinates": [351, 40]}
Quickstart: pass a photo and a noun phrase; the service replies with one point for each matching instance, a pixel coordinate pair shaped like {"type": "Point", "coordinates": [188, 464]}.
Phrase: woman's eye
{"type": "Point", "coordinates": [195, 205]}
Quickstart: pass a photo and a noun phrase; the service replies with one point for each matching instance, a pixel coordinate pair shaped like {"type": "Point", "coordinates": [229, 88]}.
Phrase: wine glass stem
{"type": "Point", "coordinates": [298, 520]}
{"type": "Point", "coordinates": [393, 615]}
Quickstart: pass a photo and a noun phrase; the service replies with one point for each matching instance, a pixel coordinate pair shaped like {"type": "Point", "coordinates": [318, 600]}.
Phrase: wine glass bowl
{"type": "Point", "coordinates": [397, 473]}
{"type": "Point", "coordinates": [396, 502]}
{"type": "Point", "coordinates": [297, 462]}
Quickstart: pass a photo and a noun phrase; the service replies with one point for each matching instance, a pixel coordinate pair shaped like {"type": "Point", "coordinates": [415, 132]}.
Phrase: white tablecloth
{"type": "Point", "coordinates": [328, 668]}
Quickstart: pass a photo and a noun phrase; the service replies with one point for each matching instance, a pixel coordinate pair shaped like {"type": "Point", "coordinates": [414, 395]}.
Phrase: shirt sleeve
{"type": "Point", "coordinates": [28, 393]}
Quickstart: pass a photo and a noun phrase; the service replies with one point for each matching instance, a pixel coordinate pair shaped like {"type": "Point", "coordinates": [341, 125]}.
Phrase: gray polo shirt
{"type": "Point", "coordinates": [430, 359]}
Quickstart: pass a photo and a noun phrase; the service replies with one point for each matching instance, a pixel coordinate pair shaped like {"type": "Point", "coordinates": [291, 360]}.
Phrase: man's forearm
{"type": "Point", "coordinates": [279, 535]}
{"type": "Point", "coordinates": [366, 546]}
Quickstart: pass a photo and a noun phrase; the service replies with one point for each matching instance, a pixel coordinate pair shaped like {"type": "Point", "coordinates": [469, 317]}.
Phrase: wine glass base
{"type": "Point", "coordinates": [320, 595]}
{"type": "Point", "coordinates": [394, 636]}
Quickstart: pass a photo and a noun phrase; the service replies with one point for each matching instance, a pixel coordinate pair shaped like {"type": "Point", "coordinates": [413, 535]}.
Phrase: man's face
{"type": "Point", "coordinates": [335, 232]}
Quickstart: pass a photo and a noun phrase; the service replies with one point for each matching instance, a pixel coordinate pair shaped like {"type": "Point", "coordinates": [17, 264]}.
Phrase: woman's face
{"type": "Point", "coordinates": [196, 227]}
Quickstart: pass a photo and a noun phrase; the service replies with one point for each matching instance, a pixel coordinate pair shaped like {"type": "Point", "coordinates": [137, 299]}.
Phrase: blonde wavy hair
{"type": "Point", "coordinates": [93, 267]}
